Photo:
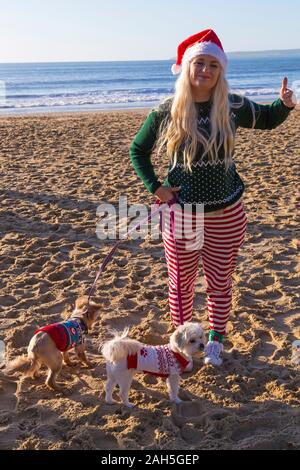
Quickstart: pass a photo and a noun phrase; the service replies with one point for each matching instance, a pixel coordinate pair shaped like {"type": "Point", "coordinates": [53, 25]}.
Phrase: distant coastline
{"type": "Point", "coordinates": [233, 54]}
{"type": "Point", "coordinates": [275, 52]}
{"type": "Point", "coordinates": [257, 54]}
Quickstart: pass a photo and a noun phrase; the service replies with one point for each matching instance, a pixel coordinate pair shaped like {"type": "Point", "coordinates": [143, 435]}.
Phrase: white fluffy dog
{"type": "Point", "coordinates": [126, 356]}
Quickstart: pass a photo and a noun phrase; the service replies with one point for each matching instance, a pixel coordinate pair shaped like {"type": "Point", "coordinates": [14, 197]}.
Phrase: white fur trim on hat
{"type": "Point", "coordinates": [209, 48]}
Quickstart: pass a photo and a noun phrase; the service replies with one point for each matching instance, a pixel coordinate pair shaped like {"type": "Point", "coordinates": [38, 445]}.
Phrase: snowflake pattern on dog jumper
{"type": "Point", "coordinates": [66, 335]}
{"type": "Point", "coordinates": [157, 360]}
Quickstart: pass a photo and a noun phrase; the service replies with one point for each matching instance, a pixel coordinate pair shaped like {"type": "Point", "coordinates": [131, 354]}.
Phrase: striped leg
{"type": "Point", "coordinates": [223, 236]}
{"type": "Point", "coordinates": [182, 263]}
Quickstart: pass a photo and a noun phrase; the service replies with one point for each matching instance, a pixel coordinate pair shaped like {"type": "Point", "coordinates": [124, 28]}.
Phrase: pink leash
{"type": "Point", "coordinates": [108, 258]}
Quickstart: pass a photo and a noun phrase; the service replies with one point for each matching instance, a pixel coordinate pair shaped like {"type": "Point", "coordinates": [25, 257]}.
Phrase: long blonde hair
{"type": "Point", "coordinates": [180, 131]}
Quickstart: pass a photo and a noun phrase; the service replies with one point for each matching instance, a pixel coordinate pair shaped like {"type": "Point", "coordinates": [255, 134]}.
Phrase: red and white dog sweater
{"type": "Point", "coordinates": [157, 360]}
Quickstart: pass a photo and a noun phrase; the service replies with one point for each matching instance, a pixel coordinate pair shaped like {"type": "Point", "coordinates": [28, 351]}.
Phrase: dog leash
{"type": "Point", "coordinates": [110, 255]}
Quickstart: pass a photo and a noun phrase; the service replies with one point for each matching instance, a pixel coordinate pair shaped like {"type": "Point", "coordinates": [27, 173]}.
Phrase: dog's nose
{"type": "Point", "coordinates": [201, 347]}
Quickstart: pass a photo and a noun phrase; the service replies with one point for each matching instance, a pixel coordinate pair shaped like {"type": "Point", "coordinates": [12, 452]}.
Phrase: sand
{"type": "Point", "coordinates": [56, 170]}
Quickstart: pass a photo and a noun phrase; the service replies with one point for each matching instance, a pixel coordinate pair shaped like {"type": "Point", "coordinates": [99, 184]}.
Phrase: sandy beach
{"type": "Point", "coordinates": [55, 171]}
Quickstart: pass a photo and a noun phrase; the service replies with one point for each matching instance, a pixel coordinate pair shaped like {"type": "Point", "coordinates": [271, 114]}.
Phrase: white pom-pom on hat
{"type": "Point", "coordinates": [176, 69]}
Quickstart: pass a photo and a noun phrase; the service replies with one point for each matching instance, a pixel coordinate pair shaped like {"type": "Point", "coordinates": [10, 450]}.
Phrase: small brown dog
{"type": "Point", "coordinates": [50, 345]}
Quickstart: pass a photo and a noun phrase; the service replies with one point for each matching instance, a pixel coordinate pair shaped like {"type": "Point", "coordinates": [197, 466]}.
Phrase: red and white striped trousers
{"type": "Point", "coordinates": [222, 236]}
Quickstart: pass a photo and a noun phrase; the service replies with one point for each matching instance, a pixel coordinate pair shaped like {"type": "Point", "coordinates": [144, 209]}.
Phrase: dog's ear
{"type": "Point", "coordinates": [177, 339]}
{"type": "Point", "coordinates": [81, 302]}
{"type": "Point", "coordinates": [92, 312]}
{"type": "Point", "coordinates": [95, 308]}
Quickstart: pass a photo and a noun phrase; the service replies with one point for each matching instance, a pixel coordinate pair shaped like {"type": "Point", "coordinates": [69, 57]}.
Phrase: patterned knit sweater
{"type": "Point", "coordinates": [209, 183]}
{"type": "Point", "coordinates": [66, 335]}
{"type": "Point", "coordinates": [157, 360]}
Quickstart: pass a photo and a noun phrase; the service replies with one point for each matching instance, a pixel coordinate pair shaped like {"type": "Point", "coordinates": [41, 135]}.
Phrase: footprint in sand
{"type": "Point", "coordinates": [290, 321]}
{"type": "Point", "coordinates": [120, 282]}
{"type": "Point", "coordinates": [143, 272]}
{"type": "Point", "coordinates": [148, 295]}
{"type": "Point", "coordinates": [128, 304]}
{"type": "Point", "coordinates": [8, 389]}
{"type": "Point", "coordinates": [21, 336]}
{"type": "Point", "coordinates": [190, 412]}
{"type": "Point", "coordinates": [8, 404]}
{"type": "Point", "coordinates": [60, 275]}
{"type": "Point", "coordinates": [251, 428]}
{"type": "Point", "coordinates": [7, 300]}
{"type": "Point", "coordinates": [121, 262]}
{"type": "Point", "coordinates": [291, 281]}
{"type": "Point", "coordinates": [267, 347]}
{"type": "Point", "coordinates": [24, 262]}
{"type": "Point", "coordinates": [29, 281]}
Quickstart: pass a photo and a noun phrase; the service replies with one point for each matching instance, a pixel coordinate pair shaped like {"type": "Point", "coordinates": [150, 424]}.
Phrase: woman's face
{"type": "Point", "coordinates": [205, 71]}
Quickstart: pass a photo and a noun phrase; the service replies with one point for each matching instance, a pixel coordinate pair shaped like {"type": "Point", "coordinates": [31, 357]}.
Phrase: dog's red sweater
{"type": "Point", "coordinates": [65, 335]}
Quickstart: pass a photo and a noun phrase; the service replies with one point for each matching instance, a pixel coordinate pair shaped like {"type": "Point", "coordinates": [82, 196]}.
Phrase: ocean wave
{"type": "Point", "coordinates": [83, 100]}
{"type": "Point", "coordinates": [143, 95]}
{"type": "Point", "coordinates": [70, 82]}
{"type": "Point", "coordinates": [90, 93]}
{"type": "Point", "coordinates": [256, 91]}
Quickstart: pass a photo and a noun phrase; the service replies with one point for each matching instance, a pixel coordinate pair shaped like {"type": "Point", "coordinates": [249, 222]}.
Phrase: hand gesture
{"type": "Point", "coordinates": [166, 194]}
{"type": "Point", "coordinates": [286, 94]}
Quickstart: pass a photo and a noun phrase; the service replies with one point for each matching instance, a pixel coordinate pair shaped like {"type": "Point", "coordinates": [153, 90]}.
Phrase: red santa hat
{"type": "Point", "coordinates": [205, 42]}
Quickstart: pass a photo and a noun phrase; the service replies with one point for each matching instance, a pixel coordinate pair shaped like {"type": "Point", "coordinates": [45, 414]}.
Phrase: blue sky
{"type": "Point", "coordinates": [57, 30]}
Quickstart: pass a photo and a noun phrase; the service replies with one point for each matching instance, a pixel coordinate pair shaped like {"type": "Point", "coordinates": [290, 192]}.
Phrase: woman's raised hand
{"type": "Point", "coordinates": [166, 194]}
{"type": "Point", "coordinates": [286, 94]}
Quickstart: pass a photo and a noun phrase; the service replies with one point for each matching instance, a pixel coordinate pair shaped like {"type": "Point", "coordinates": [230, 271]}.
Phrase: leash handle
{"type": "Point", "coordinates": [170, 204]}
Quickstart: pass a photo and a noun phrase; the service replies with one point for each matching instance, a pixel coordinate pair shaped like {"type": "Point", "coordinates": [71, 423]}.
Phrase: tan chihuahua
{"type": "Point", "coordinates": [51, 344]}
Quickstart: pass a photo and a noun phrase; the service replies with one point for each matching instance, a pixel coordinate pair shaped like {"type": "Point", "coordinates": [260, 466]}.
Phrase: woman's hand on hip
{"type": "Point", "coordinates": [166, 194]}
{"type": "Point", "coordinates": [286, 94]}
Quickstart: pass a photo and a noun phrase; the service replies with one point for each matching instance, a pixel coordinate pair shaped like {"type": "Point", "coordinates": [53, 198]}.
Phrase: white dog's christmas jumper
{"type": "Point", "coordinates": [157, 360]}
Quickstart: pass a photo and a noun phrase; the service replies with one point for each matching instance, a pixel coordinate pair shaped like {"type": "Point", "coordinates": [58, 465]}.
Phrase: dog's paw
{"type": "Point", "coordinates": [177, 400]}
{"type": "Point", "coordinates": [129, 405]}
{"type": "Point", "coordinates": [66, 392]}
{"type": "Point", "coordinates": [189, 367]}
{"type": "Point", "coordinates": [56, 388]}
{"type": "Point", "coordinates": [72, 363]}
{"type": "Point", "coordinates": [111, 402]}
{"type": "Point", "coordinates": [87, 364]}
{"type": "Point", "coordinates": [90, 365]}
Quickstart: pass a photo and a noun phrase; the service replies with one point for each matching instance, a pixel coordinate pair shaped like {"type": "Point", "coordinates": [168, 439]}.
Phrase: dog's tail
{"type": "Point", "coordinates": [25, 364]}
{"type": "Point", "coordinates": [120, 347]}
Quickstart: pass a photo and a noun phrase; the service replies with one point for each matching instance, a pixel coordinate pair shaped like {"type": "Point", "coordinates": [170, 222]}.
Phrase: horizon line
{"type": "Point", "coordinates": [143, 60]}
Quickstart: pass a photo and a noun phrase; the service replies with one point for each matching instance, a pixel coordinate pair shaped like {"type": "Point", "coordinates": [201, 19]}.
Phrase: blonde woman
{"type": "Point", "coordinates": [196, 130]}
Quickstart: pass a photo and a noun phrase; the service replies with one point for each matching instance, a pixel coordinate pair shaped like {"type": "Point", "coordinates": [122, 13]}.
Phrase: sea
{"type": "Point", "coordinates": [88, 86]}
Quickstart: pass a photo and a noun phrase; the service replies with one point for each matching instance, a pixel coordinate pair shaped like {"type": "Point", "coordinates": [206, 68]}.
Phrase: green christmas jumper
{"type": "Point", "coordinates": [209, 183]}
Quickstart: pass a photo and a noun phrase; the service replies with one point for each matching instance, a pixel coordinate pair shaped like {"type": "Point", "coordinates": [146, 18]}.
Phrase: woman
{"type": "Point", "coordinates": [196, 129]}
